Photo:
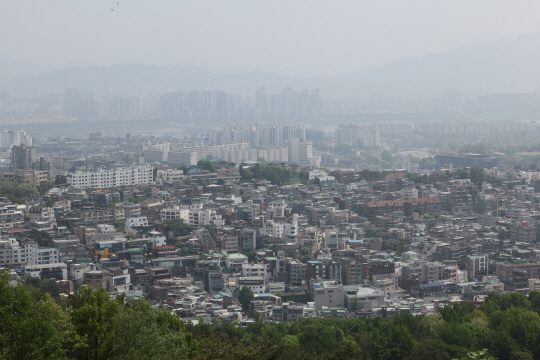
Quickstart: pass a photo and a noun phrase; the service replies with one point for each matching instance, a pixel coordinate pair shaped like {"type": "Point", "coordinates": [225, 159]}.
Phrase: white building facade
{"type": "Point", "coordinates": [141, 174]}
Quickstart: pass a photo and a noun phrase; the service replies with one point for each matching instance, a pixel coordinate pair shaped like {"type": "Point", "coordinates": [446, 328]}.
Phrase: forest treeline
{"type": "Point", "coordinates": [38, 323]}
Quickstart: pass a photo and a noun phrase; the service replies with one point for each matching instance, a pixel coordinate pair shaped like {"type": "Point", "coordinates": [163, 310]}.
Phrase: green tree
{"type": "Point", "coordinates": [140, 332]}
{"type": "Point", "coordinates": [305, 251]}
{"type": "Point", "coordinates": [460, 174]}
{"type": "Point", "coordinates": [303, 175]}
{"type": "Point", "coordinates": [355, 305]}
{"type": "Point", "coordinates": [27, 329]}
{"type": "Point", "coordinates": [401, 342]}
{"type": "Point", "coordinates": [290, 253]}
{"type": "Point", "coordinates": [206, 165]}
{"type": "Point", "coordinates": [131, 235]}
{"type": "Point", "coordinates": [178, 227]}
{"type": "Point", "coordinates": [387, 156]}
{"type": "Point", "coordinates": [18, 193]}
{"type": "Point", "coordinates": [93, 317]}
{"type": "Point", "coordinates": [245, 296]}
{"type": "Point", "coordinates": [51, 286]}
{"type": "Point", "coordinates": [477, 176]}
{"type": "Point", "coordinates": [60, 180]}
{"type": "Point", "coordinates": [387, 245]}
{"type": "Point", "coordinates": [320, 338]}
{"type": "Point", "coordinates": [431, 325]}
{"type": "Point", "coordinates": [370, 232]}
{"type": "Point", "coordinates": [45, 187]}
{"type": "Point", "coordinates": [252, 256]}
{"type": "Point", "coordinates": [427, 163]}
{"type": "Point", "coordinates": [436, 349]}
{"type": "Point", "coordinates": [41, 238]}
{"type": "Point", "coordinates": [479, 355]}
{"type": "Point", "coordinates": [290, 341]}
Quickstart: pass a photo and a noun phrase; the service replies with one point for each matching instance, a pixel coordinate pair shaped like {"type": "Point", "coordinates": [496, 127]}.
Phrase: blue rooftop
{"type": "Point", "coordinates": [192, 170]}
{"type": "Point", "coordinates": [432, 285]}
{"type": "Point", "coordinates": [220, 295]}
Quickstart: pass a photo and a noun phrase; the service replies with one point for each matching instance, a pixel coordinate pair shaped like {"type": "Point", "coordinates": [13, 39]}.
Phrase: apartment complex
{"type": "Point", "coordinates": [124, 176]}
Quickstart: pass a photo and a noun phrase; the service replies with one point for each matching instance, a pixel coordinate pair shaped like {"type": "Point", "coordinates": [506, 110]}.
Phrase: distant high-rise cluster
{"type": "Point", "coordinates": [194, 105]}
{"type": "Point", "coordinates": [221, 105]}
{"type": "Point", "coordinates": [85, 107]}
{"type": "Point", "coordinates": [257, 135]}
{"type": "Point", "coordinates": [8, 139]}
{"type": "Point", "coordinates": [474, 127]}
{"type": "Point", "coordinates": [358, 135]}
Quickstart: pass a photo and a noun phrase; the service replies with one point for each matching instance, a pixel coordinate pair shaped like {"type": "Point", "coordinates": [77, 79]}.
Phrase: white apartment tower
{"type": "Point", "coordinates": [301, 152]}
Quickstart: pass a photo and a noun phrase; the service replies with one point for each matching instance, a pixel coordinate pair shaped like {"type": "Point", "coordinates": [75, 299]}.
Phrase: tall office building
{"type": "Point", "coordinates": [22, 157]}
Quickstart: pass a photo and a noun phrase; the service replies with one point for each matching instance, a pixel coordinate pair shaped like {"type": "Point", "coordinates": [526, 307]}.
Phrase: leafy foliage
{"type": "Point", "coordinates": [245, 296]}
{"type": "Point", "coordinates": [86, 325]}
{"type": "Point", "coordinates": [178, 227]}
{"type": "Point", "coordinates": [89, 324]}
{"type": "Point", "coordinates": [41, 238]}
{"type": "Point", "coordinates": [60, 180]}
{"type": "Point", "coordinates": [45, 187]}
{"type": "Point", "coordinates": [206, 165]}
{"type": "Point", "coordinates": [370, 233]}
{"type": "Point", "coordinates": [26, 329]}
{"type": "Point", "coordinates": [18, 193]}
{"type": "Point", "coordinates": [276, 174]}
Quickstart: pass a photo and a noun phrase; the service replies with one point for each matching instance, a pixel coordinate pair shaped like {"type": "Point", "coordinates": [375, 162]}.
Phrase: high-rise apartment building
{"type": "Point", "coordinates": [176, 158]}
{"type": "Point", "coordinates": [358, 135]}
{"type": "Point", "coordinates": [301, 152]}
{"type": "Point", "coordinates": [14, 138]}
{"type": "Point", "coordinates": [22, 157]}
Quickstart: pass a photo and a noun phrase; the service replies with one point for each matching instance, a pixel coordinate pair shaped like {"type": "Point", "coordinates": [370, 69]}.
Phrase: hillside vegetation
{"type": "Point", "coordinates": [37, 323]}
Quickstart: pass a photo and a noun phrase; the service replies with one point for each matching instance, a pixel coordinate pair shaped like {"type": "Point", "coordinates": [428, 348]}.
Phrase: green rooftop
{"type": "Point", "coordinates": [237, 256]}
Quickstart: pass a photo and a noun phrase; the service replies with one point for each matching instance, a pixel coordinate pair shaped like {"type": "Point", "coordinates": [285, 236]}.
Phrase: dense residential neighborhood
{"type": "Point", "coordinates": [214, 239]}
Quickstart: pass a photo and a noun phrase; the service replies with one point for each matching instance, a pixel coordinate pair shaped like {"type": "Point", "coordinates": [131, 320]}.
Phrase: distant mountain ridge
{"type": "Point", "coordinates": [11, 68]}
{"type": "Point", "coordinates": [512, 106]}
{"type": "Point", "coordinates": [139, 79]}
{"type": "Point", "coordinates": [502, 65]}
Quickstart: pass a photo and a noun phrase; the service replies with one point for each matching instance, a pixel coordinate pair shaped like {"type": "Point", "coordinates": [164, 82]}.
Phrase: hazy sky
{"type": "Point", "coordinates": [288, 37]}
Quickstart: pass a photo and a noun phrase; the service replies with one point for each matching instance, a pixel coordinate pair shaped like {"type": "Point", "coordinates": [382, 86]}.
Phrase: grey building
{"type": "Point", "coordinates": [22, 157]}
